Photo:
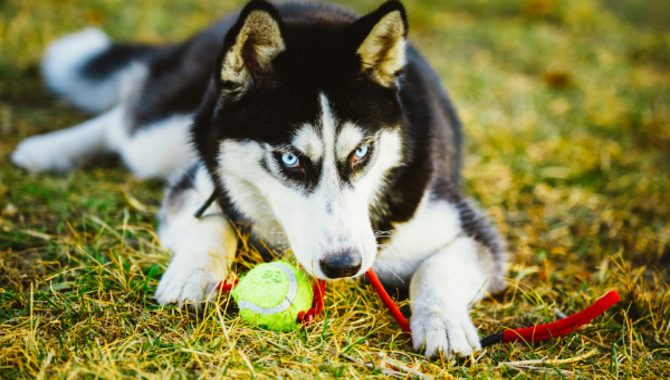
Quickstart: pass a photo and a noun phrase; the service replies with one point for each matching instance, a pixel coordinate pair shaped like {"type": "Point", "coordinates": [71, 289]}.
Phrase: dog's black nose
{"type": "Point", "coordinates": [339, 264]}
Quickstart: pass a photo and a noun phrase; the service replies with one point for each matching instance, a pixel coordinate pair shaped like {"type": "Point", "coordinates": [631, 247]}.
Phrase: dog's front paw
{"type": "Point", "coordinates": [185, 283]}
{"type": "Point", "coordinates": [449, 332]}
{"type": "Point", "coordinates": [42, 153]}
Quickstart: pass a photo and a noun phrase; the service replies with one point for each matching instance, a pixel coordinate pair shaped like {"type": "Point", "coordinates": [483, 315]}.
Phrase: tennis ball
{"type": "Point", "coordinates": [271, 296]}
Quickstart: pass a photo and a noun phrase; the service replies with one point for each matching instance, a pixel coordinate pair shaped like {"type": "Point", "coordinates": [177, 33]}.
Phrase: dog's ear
{"type": "Point", "coordinates": [381, 37]}
{"type": "Point", "coordinates": [250, 47]}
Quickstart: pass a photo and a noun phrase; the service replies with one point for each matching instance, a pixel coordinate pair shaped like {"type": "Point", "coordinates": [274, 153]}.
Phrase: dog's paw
{"type": "Point", "coordinates": [186, 284]}
{"type": "Point", "coordinates": [450, 333]}
{"type": "Point", "coordinates": [42, 153]}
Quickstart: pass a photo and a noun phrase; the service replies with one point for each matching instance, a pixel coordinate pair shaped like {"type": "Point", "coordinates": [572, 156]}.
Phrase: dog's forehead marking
{"type": "Point", "coordinates": [328, 123]}
{"type": "Point", "coordinates": [329, 176]}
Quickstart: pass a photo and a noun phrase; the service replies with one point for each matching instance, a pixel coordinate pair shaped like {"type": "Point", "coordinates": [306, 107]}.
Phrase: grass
{"type": "Point", "coordinates": [566, 106]}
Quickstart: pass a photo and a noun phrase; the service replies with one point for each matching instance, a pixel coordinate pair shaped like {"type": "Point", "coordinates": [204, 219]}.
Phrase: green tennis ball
{"type": "Point", "coordinates": [271, 296]}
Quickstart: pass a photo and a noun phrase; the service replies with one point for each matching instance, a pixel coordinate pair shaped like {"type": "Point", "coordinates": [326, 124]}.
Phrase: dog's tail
{"type": "Point", "coordinates": [91, 73]}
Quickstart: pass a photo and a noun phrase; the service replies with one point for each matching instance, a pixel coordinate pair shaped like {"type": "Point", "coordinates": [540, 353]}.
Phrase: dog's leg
{"type": "Point", "coordinates": [202, 249]}
{"type": "Point", "coordinates": [440, 294]}
{"type": "Point", "coordinates": [156, 150]}
{"type": "Point", "coordinates": [69, 148]}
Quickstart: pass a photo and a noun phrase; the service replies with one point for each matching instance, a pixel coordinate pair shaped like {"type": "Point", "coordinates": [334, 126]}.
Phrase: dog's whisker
{"type": "Point", "coordinates": [383, 234]}
{"type": "Point", "coordinates": [388, 254]}
{"type": "Point", "coordinates": [390, 270]}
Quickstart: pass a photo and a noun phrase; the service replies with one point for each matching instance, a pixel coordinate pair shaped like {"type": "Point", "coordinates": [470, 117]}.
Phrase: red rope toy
{"type": "Point", "coordinates": [529, 334]}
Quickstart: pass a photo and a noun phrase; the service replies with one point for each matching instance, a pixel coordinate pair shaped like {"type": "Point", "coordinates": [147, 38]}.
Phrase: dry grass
{"type": "Point", "coordinates": [566, 105]}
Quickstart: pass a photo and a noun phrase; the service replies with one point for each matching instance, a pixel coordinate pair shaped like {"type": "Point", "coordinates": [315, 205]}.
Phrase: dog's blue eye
{"type": "Point", "coordinates": [290, 160]}
{"type": "Point", "coordinates": [361, 152]}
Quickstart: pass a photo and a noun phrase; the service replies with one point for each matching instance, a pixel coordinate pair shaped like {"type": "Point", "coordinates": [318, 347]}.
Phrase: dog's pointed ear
{"type": "Point", "coordinates": [382, 35]}
{"type": "Point", "coordinates": [250, 47]}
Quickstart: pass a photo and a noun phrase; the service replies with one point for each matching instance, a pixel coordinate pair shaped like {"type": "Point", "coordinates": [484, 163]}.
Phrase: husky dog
{"type": "Point", "coordinates": [324, 130]}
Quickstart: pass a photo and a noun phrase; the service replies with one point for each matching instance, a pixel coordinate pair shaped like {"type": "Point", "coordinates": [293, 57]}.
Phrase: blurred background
{"type": "Point", "coordinates": [566, 111]}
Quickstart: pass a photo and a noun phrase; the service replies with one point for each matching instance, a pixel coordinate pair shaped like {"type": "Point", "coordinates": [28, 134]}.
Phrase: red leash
{"type": "Point", "coordinates": [388, 301]}
{"type": "Point", "coordinates": [529, 334]}
{"type": "Point", "coordinates": [317, 303]}
{"type": "Point", "coordinates": [561, 327]}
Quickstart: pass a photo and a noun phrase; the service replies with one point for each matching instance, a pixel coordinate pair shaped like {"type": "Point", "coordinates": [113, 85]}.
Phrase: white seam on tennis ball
{"type": "Point", "coordinates": [285, 304]}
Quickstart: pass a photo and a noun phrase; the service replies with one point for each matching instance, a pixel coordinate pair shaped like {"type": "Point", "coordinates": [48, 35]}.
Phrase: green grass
{"type": "Point", "coordinates": [566, 106]}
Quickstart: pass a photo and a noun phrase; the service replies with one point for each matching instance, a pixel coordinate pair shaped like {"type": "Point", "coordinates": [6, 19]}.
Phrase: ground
{"type": "Point", "coordinates": [566, 107]}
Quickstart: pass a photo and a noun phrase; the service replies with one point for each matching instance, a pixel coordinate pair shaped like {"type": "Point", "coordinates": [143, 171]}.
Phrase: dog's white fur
{"type": "Point", "coordinates": [441, 291]}
{"type": "Point", "coordinates": [160, 149]}
{"type": "Point", "coordinates": [202, 248]}
{"type": "Point", "coordinates": [445, 272]}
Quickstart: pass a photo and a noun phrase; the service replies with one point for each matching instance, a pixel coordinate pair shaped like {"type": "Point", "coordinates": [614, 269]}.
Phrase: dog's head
{"type": "Point", "coordinates": [303, 126]}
